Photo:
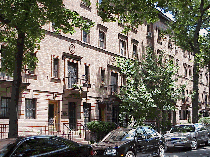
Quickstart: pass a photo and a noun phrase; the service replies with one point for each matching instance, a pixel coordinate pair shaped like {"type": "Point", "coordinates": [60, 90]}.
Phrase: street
{"type": "Point", "coordinates": [202, 151]}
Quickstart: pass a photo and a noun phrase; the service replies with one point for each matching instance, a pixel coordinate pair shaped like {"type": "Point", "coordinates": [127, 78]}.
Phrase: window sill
{"type": "Point", "coordinates": [56, 80]}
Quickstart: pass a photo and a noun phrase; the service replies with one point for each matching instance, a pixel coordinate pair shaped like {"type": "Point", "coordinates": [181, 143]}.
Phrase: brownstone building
{"type": "Point", "coordinates": [76, 77]}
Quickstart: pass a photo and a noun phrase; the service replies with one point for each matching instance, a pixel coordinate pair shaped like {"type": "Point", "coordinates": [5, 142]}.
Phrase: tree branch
{"type": "Point", "coordinates": [206, 8]}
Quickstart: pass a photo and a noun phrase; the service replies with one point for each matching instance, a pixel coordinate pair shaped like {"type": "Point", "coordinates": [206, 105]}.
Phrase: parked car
{"type": "Point", "coordinates": [186, 135]}
{"type": "Point", "coordinates": [43, 146]}
{"type": "Point", "coordinates": [130, 142]}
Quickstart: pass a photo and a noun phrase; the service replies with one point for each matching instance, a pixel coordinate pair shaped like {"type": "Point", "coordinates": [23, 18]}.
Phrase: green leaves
{"type": "Point", "coordinates": [149, 84]}
{"type": "Point", "coordinates": [29, 16]}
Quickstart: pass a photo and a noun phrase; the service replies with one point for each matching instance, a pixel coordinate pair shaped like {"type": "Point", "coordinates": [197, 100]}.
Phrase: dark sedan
{"type": "Point", "coordinates": [129, 142]}
{"type": "Point", "coordinates": [43, 146]}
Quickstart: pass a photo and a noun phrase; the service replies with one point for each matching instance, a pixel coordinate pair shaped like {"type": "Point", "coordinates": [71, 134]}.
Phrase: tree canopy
{"type": "Point", "coordinates": [150, 86]}
{"type": "Point", "coordinates": [29, 16]}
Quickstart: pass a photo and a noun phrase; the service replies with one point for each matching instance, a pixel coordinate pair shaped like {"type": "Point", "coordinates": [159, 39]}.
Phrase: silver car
{"type": "Point", "coordinates": [186, 135]}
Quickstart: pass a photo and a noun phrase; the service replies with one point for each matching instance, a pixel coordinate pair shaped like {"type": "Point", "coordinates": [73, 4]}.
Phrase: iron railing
{"type": "Point", "coordinates": [4, 128]}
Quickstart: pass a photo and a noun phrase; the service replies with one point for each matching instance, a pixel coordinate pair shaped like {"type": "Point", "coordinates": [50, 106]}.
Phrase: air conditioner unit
{"type": "Point", "coordinates": [149, 34]}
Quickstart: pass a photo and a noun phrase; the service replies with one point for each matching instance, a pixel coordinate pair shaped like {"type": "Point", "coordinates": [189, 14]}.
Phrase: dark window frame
{"type": "Point", "coordinates": [86, 36]}
{"type": "Point", "coordinates": [6, 108]}
{"type": "Point", "coordinates": [30, 108]}
{"type": "Point", "coordinates": [55, 68]}
{"type": "Point", "coordinates": [102, 39]}
{"type": "Point", "coordinates": [72, 79]}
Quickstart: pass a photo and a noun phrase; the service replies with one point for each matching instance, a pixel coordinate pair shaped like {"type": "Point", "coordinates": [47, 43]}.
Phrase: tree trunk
{"type": "Point", "coordinates": [195, 67]}
{"type": "Point", "coordinates": [17, 79]}
{"type": "Point", "coordinates": [195, 96]}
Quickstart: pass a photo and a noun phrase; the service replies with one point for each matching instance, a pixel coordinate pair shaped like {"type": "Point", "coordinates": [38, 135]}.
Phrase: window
{"type": "Point", "coordinates": [99, 1]}
{"type": "Point", "coordinates": [122, 47]}
{"type": "Point", "coordinates": [85, 36]}
{"type": "Point", "coordinates": [72, 74]}
{"type": "Point", "coordinates": [185, 70]}
{"type": "Point", "coordinates": [183, 114]}
{"type": "Point", "coordinates": [55, 67]}
{"type": "Point", "coordinates": [159, 37]}
{"type": "Point", "coordinates": [102, 39]}
{"type": "Point", "coordinates": [177, 62]}
{"type": "Point", "coordinates": [87, 74]}
{"type": "Point", "coordinates": [4, 107]}
{"type": "Point", "coordinates": [135, 51]}
{"type": "Point", "coordinates": [149, 33]}
{"type": "Point", "coordinates": [207, 79]}
{"type": "Point", "coordinates": [148, 28]}
{"type": "Point", "coordinates": [114, 82]}
{"type": "Point", "coordinates": [30, 108]}
{"type": "Point", "coordinates": [102, 75]}
{"type": "Point", "coordinates": [87, 111]}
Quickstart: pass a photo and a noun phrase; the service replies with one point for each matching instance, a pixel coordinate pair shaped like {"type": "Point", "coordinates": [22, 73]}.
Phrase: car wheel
{"type": "Point", "coordinates": [130, 154]}
{"type": "Point", "coordinates": [194, 144]}
{"type": "Point", "coordinates": [161, 151]}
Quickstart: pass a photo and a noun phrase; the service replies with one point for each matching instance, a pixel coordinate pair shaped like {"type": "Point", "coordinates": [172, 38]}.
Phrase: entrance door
{"type": "Point", "coordinates": [53, 114]}
{"type": "Point", "coordinates": [72, 115]}
{"type": "Point", "coordinates": [101, 108]}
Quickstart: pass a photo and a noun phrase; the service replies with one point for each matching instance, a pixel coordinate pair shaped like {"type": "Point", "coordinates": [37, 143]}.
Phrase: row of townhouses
{"type": "Point", "coordinates": [76, 77]}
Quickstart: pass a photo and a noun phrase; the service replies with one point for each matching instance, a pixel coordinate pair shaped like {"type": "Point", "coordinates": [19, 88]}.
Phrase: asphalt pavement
{"type": "Point", "coordinates": [202, 151]}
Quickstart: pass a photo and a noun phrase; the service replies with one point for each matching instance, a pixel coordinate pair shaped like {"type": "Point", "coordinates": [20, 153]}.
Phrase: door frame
{"type": "Point", "coordinates": [56, 113]}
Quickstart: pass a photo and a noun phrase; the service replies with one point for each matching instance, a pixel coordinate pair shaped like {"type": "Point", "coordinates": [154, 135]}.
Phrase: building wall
{"type": "Point", "coordinates": [46, 89]}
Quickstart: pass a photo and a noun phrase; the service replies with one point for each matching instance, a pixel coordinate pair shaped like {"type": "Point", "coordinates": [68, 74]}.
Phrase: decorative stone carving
{"type": "Point", "coordinates": [72, 48]}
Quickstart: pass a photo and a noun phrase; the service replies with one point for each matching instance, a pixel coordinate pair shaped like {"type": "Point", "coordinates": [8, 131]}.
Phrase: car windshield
{"type": "Point", "coordinates": [119, 135]}
{"type": "Point", "coordinates": [183, 128]}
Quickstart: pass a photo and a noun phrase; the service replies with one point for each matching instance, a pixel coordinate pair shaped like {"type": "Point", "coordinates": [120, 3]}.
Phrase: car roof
{"type": "Point", "coordinates": [4, 142]}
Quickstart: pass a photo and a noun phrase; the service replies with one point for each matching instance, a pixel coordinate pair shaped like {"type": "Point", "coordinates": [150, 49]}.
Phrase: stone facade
{"type": "Point", "coordinates": [89, 62]}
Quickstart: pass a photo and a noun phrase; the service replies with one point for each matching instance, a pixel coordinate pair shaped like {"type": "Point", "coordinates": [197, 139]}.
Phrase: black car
{"type": "Point", "coordinates": [50, 146]}
{"type": "Point", "coordinates": [128, 142]}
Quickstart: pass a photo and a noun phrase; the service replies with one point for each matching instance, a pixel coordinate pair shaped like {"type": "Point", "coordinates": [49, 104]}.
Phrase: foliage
{"type": "Point", "coordinates": [29, 17]}
{"type": "Point", "coordinates": [150, 86]}
{"type": "Point", "coordinates": [130, 13]}
{"type": "Point", "coordinates": [100, 128]}
{"type": "Point", "coordinates": [204, 120]}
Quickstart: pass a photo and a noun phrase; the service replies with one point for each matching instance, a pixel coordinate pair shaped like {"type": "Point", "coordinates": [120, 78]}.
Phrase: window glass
{"type": "Point", "coordinates": [39, 146]}
{"type": "Point", "coordinates": [4, 107]}
{"type": "Point", "coordinates": [30, 108]}
{"type": "Point", "coordinates": [72, 74]}
{"type": "Point", "coordinates": [55, 68]}
{"type": "Point", "coordinates": [101, 39]}
{"type": "Point", "coordinates": [122, 47]}
{"type": "Point", "coordinates": [85, 36]}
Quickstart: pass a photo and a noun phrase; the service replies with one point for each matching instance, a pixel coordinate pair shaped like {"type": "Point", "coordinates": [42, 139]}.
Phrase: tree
{"type": "Point", "coordinates": [189, 17]}
{"type": "Point", "coordinates": [21, 31]}
{"type": "Point", "coordinates": [150, 87]}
